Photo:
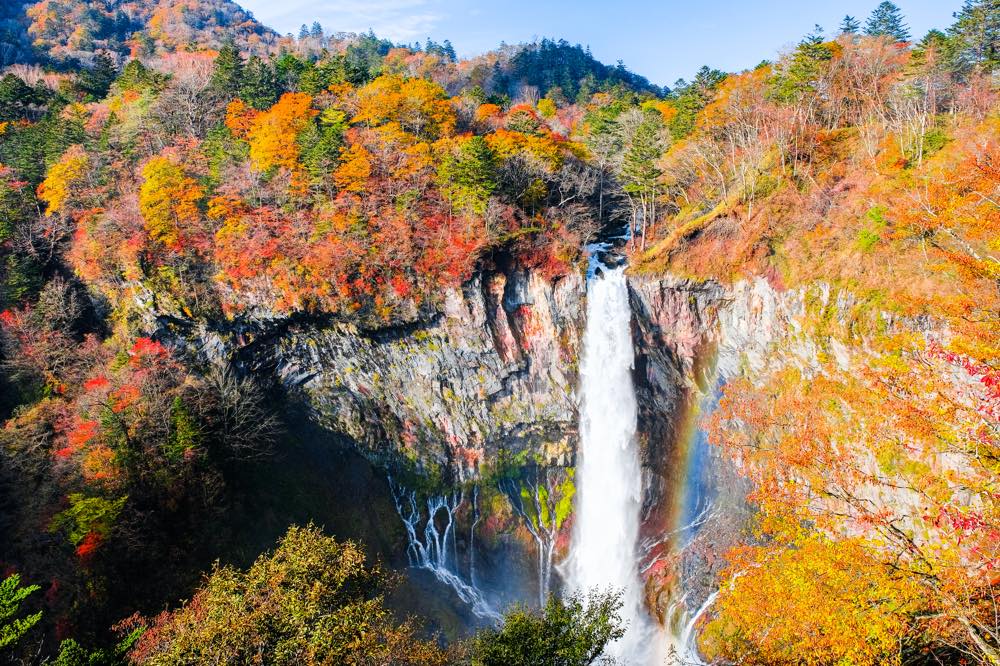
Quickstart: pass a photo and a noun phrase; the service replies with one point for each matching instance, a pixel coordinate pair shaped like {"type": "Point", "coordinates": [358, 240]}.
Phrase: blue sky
{"type": "Point", "coordinates": [662, 40]}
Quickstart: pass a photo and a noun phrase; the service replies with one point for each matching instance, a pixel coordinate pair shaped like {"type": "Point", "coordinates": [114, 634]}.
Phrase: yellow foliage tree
{"type": "Point", "coordinates": [419, 106]}
{"type": "Point", "coordinates": [273, 135]}
{"type": "Point", "coordinates": [846, 607]}
{"type": "Point", "coordinates": [56, 188]}
{"type": "Point", "coordinates": [168, 200]}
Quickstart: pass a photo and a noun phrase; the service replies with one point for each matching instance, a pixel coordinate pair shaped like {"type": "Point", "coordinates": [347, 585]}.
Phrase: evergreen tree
{"type": "Point", "coordinates": [449, 51]}
{"type": "Point", "coordinates": [887, 20]}
{"type": "Point", "coordinates": [97, 80]}
{"type": "Point", "coordinates": [640, 171]}
{"type": "Point", "coordinates": [304, 31]}
{"type": "Point", "coordinates": [317, 30]}
{"type": "Point", "coordinates": [471, 176]}
{"type": "Point", "coordinates": [260, 87]}
{"type": "Point", "coordinates": [15, 96]}
{"type": "Point", "coordinates": [227, 79]}
{"type": "Point", "coordinates": [815, 37]}
{"type": "Point", "coordinates": [975, 36]}
{"type": "Point", "coordinates": [850, 25]}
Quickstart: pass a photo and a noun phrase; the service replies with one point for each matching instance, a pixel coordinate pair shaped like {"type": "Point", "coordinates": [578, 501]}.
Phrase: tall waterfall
{"type": "Point", "coordinates": [609, 480]}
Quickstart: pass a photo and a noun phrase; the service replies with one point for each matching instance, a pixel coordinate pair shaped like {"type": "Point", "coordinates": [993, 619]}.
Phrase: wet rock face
{"type": "Point", "coordinates": [494, 369]}
{"type": "Point", "coordinates": [675, 327]}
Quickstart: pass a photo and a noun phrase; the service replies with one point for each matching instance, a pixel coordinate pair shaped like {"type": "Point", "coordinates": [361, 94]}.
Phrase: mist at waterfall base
{"type": "Point", "coordinates": [611, 547]}
{"type": "Point", "coordinates": [609, 480]}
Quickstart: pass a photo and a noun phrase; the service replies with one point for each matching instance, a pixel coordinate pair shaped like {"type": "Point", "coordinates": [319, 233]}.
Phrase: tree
{"type": "Point", "coordinates": [887, 21]}
{"type": "Point", "coordinates": [317, 30]}
{"type": "Point", "coordinates": [12, 628]}
{"type": "Point", "coordinates": [567, 632]}
{"type": "Point", "coordinates": [640, 171]}
{"type": "Point", "coordinates": [228, 79]}
{"type": "Point", "coordinates": [975, 36]}
{"type": "Point", "coordinates": [97, 80]}
{"type": "Point", "coordinates": [848, 607]}
{"type": "Point", "coordinates": [169, 201]}
{"type": "Point", "coordinates": [15, 98]}
{"type": "Point", "coordinates": [850, 25]}
{"type": "Point", "coordinates": [260, 88]}
{"type": "Point", "coordinates": [471, 175]}
{"type": "Point", "coordinates": [273, 134]}
{"type": "Point", "coordinates": [304, 32]}
{"type": "Point", "coordinates": [56, 189]}
{"type": "Point", "coordinates": [312, 601]}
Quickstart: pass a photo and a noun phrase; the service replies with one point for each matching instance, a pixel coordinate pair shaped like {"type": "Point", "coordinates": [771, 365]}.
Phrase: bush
{"type": "Point", "coordinates": [568, 632]}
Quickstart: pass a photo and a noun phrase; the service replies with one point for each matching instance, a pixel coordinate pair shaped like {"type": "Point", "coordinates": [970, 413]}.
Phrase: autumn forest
{"type": "Point", "coordinates": [294, 331]}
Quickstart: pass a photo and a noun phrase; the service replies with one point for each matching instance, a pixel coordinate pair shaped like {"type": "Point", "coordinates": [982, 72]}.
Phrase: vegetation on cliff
{"type": "Point", "coordinates": [165, 162]}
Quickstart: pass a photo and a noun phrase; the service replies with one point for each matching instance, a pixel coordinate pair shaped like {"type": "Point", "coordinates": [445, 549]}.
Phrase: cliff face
{"type": "Point", "coordinates": [691, 338]}
{"type": "Point", "coordinates": [495, 369]}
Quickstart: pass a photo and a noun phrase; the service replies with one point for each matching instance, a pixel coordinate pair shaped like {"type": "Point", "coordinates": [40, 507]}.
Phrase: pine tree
{"type": "Point", "coordinates": [260, 84]}
{"type": "Point", "coordinates": [227, 79]}
{"type": "Point", "coordinates": [317, 30]}
{"type": "Point", "coordinates": [471, 176]}
{"type": "Point", "coordinates": [887, 20]}
{"type": "Point", "coordinates": [850, 25]}
{"type": "Point", "coordinates": [15, 96]}
{"type": "Point", "coordinates": [640, 172]}
{"type": "Point", "coordinates": [449, 51]}
{"type": "Point", "coordinates": [975, 36]}
{"type": "Point", "coordinates": [304, 31]}
{"type": "Point", "coordinates": [97, 80]}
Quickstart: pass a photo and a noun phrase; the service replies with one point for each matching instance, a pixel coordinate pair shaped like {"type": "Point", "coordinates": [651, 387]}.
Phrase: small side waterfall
{"type": "Point", "coordinates": [609, 479]}
{"type": "Point", "coordinates": [434, 548]}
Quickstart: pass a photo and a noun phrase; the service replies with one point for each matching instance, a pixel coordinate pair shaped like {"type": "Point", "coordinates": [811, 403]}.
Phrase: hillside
{"type": "Point", "coordinates": [60, 31]}
{"type": "Point", "coordinates": [251, 282]}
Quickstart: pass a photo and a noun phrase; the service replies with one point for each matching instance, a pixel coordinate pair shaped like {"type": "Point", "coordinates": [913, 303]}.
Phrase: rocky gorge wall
{"type": "Point", "coordinates": [493, 374]}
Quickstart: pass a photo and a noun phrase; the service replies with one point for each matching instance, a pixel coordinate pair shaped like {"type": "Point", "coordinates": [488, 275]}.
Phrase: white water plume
{"type": "Point", "coordinates": [609, 479]}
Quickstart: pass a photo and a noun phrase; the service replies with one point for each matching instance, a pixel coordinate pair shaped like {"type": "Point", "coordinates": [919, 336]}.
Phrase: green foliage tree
{"type": "Point", "coordinates": [136, 76]}
{"type": "Point", "coordinates": [797, 80]}
{"type": "Point", "coordinates": [88, 516]}
{"type": "Point", "coordinates": [640, 170]}
{"type": "Point", "coordinates": [850, 25]}
{"type": "Point", "coordinates": [887, 20]}
{"type": "Point", "coordinates": [13, 628]}
{"type": "Point", "coordinates": [260, 88]}
{"type": "Point", "coordinates": [71, 653]}
{"type": "Point", "coordinates": [97, 80]}
{"type": "Point", "coordinates": [568, 632]}
{"type": "Point", "coordinates": [690, 98]}
{"type": "Point", "coordinates": [15, 97]}
{"type": "Point", "coordinates": [471, 176]}
{"type": "Point", "coordinates": [975, 36]}
{"type": "Point", "coordinates": [227, 79]}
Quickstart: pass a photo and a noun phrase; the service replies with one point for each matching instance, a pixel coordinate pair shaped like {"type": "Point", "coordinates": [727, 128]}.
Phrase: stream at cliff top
{"type": "Point", "coordinates": [609, 478]}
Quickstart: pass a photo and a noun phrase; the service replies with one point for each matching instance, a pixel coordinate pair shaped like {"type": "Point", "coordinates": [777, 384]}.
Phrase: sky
{"type": "Point", "coordinates": [662, 40]}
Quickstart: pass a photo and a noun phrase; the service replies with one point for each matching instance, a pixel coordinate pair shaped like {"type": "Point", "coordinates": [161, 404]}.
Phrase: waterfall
{"type": "Point", "coordinates": [609, 480]}
{"type": "Point", "coordinates": [433, 548]}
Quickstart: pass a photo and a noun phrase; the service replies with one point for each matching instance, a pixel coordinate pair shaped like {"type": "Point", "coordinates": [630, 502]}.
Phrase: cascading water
{"type": "Point", "coordinates": [429, 548]}
{"type": "Point", "coordinates": [609, 480]}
